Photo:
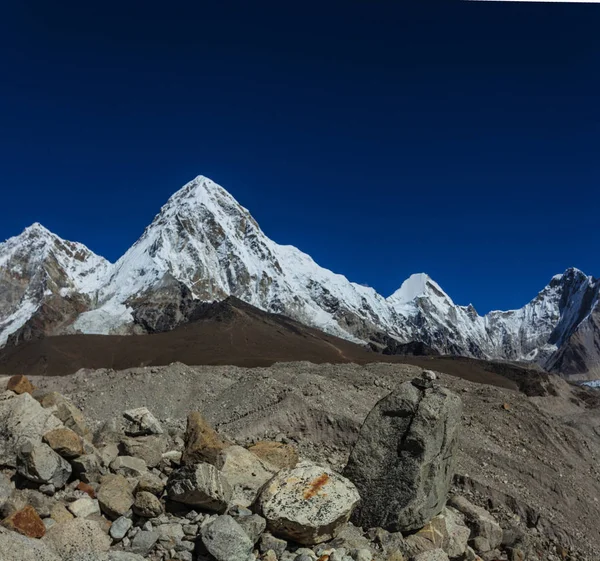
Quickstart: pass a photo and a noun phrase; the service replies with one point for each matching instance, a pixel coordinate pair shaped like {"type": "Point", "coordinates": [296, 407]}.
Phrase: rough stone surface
{"type": "Point", "coordinates": [6, 489]}
{"type": "Point", "coordinates": [63, 409]}
{"type": "Point", "coordinates": [404, 458]}
{"type": "Point", "coordinates": [268, 542]}
{"type": "Point", "coordinates": [307, 504]}
{"type": "Point", "coordinates": [129, 466]}
{"type": "Point", "coordinates": [65, 442]}
{"type": "Point", "coordinates": [22, 419]}
{"type": "Point", "coordinates": [76, 537]}
{"type": "Point", "coordinates": [38, 462]}
{"type": "Point", "coordinates": [120, 527]}
{"type": "Point", "coordinates": [276, 454]}
{"type": "Point", "coordinates": [148, 448]}
{"type": "Point", "coordinates": [20, 384]}
{"type": "Point", "coordinates": [481, 521]}
{"type": "Point", "coordinates": [16, 547]}
{"type": "Point", "coordinates": [254, 525]}
{"type": "Point", "coordinates": [27, 522]}
{"type": "Point", "coordinates": [202, 443]}
{"type": "Point", "coordinates": [140, 422]}
{"type": "Point", "coordinates": [226, 540]}
{"type": "Point", "coordinates": [115, 496]}
{"type": "Point", "coordinates": [82, 508]}
{"type": "Point", "coordinates": [151, 483]}
{"type": "Point", "coordinates": [433, 555]}
{"type": "Point", "coordinates": [147, 505]}
{"type": "Point", "coordinates": [59, 513]}
{"type": "Point", "coordinates": [200, 485]}
{"type": "Point", "coordinates": [245, 472]}
{"type": "Point", "coordinates": [144, 541]}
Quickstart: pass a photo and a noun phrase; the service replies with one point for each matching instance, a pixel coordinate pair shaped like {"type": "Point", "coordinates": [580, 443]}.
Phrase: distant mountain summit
{"type": "Point", "coordinates": [204, 246]}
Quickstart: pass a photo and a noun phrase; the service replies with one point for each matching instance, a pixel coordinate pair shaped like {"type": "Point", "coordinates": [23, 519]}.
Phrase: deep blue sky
{"type": "Point", "coordinates": [383, 138]}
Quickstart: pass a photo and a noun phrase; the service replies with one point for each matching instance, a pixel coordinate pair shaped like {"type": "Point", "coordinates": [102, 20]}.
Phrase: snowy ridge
{"type": "Point", "coordinates": [205, 240]}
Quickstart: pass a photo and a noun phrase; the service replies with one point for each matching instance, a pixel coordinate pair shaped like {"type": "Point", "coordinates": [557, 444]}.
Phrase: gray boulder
{"type": "Point", "coordinates": [39, 463]}
{"type": "Point", "coordinates": [6, 489]}
{"type": "Point", "coordinates": [200, 485]}
{"type": "Point", "coordinates": [404, 458]}
{"type": "Point", "coordinates": [76, 537]}
{"type": "Point", "coordinates": [22, 419]}
{"type": "Point", "coordinates": [226, 540]}
{"type": "Point", "coordinates": [144, 541]}
{"type": "Point", "coordinates": [140, 422]}
{"type": "Point", "coordinates": [115, 496]}
{"type": "Point", "coordinates": [14, 546]}
{"type": "Point", "coordinates": [120, 527]}
{"type": "Point", "coordinates": [485, 527]}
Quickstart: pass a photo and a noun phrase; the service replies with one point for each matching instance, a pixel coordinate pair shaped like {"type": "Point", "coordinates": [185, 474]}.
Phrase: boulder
{"type": "Point", "coordinates": [245, 472]}
{"type": "Point", "coordinates": [276, 454]}
{"type": "Point", "coordinates": [403, 461]}
{"type": "Point", "coordinates": [307, 504]}
{"type": "Point", "coordinates": [151, 483]}
{"type": "Point", "coordinates": [200, 485]}
{"type": "Point", "coordinates": [20, 384]}
{"type": "Point", "coordinates": [65, 442]}
{"type": "Point", "coordinates": [170, 535]}
{"type": "Point", "coordinates": [27, 522]}
{"type": "Point", "coordinates": [115, 496]}
{"type": "Point", "coordinates": [226, 540]}
{"type": "Point", "coordinates": [89, 468]}
{"type": "Point", "coordinates": [147, 505]}
{"type": "Point", "coordinates": [268, 542]}
{"type": "Point", "coordinates": [483, 524]}
{"type": "Point", "coordinates": [140, 422]}
{"type": "Point", "coordinates": [64, 410]}
{"type": "Point", "coordinates": [254, 525]}
{"type": "Point", "coordinates": [87, 489]}
{"type": "Point", "coordinates": [16, 547]}
{"type": "Point", "coordinates": [202, 443]}
{"type": "Point", "coordinates": [446, 531]}
{"type": "Point", "coordinates": [148, 448]}
{"type": "Point", "coordinates": [22, 419]}
{"type": "Point", "coordinates": [39, 463]}
{"type": "Point", "coordinates": [6, 489]}
{"type": "Point", "coordinates": [77, 537]}
{"type": "Point", "coordinates": [59, 513]}
{"type": "Point", "coordinates": [433, 555]}
{"type": "Point", "coordinates": [144, 541]}
{"type": "Point", "coordinates": [129, 466]}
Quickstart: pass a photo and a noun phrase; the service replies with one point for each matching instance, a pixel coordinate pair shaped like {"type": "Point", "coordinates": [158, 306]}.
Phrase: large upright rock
{"type": "Point", "coordinates": [39, 463]}
{"type": "Point", "coordinates": [404, 458]}
{"type": "Point", "coordinates": [202, 443]}
{"type": "Point", "coordinates": [22, 419]}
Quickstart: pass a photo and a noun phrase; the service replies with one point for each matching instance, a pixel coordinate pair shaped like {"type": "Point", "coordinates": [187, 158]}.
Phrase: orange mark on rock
{"type": "Point", "coordinates": [323, 558]}
{"type": "Point", "coordinates": [315, 486]}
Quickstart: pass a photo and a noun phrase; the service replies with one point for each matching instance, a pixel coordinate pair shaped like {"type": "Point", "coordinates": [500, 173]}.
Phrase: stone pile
{"type": "Point", "coordinates": [131, 491]}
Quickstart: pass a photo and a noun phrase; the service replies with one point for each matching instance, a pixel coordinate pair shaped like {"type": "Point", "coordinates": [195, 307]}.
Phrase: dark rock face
{"type": "Point", "coordinates": [403, 460]}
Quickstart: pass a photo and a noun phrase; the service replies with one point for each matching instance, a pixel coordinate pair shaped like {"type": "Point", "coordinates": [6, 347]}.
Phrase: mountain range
{"type": "Point", "coordinates": [204, 246]}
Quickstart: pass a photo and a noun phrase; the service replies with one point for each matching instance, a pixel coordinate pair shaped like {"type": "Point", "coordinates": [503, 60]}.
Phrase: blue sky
{"type": "Point", "coordinates": [383, 138]}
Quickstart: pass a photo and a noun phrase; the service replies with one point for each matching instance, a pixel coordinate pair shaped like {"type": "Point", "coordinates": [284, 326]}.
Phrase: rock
{"type": "Point", "coordinates": [457, 530]}
{"type": "Point", "coordinates": [433, 555]}
{"type": "Point", "coordinates": [410, 437]}
{"type": "Point", "coordinates": [143, 542]}
{"type": "Point", "coordinates": [202, 443]}
{"type": "Point", "coordinates": [268, 542]}
{"type": "Point", "coordinates": [276, 454]}
{"type": "Point", "coordinates": [140, 422]}
{"type": "Point", "coordinates": [120, 527]}
{"type": "Point", "coordinates": [200, 485]}
{"type": "Point", "coordinates": [148, 448]}
{"type": "Point", "coordinates": [88, 468]}
{"type": "Point", "coordinates": [307, 504]}
{"type": "Point", "coordinates": [20, 384]}
{"type": "Point", "coordinates": [115, 496]}
{"type": "Point", "coordinates": [87, 489]}
{"type": "Point", "coordinates": [170, 534]}
{"type": "Point", "coordinates": [147, 505]}
{"type": "Point", "coordinates": [226, 540]}
{"type": "Point", "coordinates": [483, 524]}
{"type": "Point", "coordinates": [59, 513]}
{"type": "Point", "coordinates": [6, 489]}
{"type": "Point", "coordinates": [151, 483]}
{"type": "Point", "coordinates": [16, 547]}
{"type": "Point", "coordinates": [108, 454]}
{"type": "Point", "coordinates": [129, 466]}
{"type": "Point", "coordinates": [245, 472]}
{"type": "Point", "coordinates": [22, 419]}
{"type": "Point", "coordinates": [76, 537]}
{"type": "Point", "coordinates": [82, 508]}
{"type": "Point", "coordinates": [64, 410]}
{"type": "Point", "coordinates": [27, 522]}
{"type": "Point", "coordinates": [254, 525]}
{"type": "Point", "coordinates": [65, 442]}
{"type": "Point", "coordinates": [39, 463]}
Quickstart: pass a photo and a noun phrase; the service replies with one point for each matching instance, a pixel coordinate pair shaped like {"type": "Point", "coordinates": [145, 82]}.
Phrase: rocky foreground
{"type": "Point", "coordinates": [293, 472]}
